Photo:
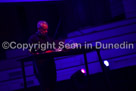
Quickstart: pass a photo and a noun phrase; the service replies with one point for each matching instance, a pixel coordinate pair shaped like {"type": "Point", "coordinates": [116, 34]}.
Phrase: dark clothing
{"type": "Point", "coordinates": [47, 74]}
{"type": "Point", "coordinates": [39, 39]}
{"type": "Point", "coordinates": [45, 66]}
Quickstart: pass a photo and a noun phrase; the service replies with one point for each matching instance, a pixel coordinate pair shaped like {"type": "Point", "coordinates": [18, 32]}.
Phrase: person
{"type": "Point", "coordinates": [45, 67]}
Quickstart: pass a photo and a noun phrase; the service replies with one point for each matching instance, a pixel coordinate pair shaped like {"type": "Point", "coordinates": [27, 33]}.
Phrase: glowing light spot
{"type": "Point", "coordinates": [106, 63]}
{"type": "Point", "coordinates": [83, 71]}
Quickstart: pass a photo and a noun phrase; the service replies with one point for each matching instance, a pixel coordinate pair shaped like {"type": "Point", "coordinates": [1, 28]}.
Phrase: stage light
{"type": "Point", "coordinates": [106, 63]}
{"type": "Point", "coordinates": [78, 75]}
{"type": "Point", "coordinates": [83, 71]}
{"type": "Point", "coordinates": [79, 80]}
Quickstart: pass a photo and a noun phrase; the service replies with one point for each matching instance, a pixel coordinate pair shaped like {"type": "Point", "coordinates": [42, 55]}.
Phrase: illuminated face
{"type": "Point", "coordinates": [43, 28]}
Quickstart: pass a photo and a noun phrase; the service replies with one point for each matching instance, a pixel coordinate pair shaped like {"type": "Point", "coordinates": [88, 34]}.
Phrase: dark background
{"type": "Point", "coordinates": [18, 20]}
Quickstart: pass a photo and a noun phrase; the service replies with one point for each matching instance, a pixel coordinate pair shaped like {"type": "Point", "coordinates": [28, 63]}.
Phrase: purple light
{"type": "Point", "coordinates": [83, 71]}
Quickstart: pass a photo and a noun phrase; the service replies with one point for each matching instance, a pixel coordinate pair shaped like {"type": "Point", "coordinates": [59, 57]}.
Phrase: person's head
{"type": "Point", "coordinates": [42, 27]}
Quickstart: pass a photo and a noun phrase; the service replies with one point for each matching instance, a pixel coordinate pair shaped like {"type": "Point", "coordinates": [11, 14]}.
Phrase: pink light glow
{"type": "Point", "coordinates": [83, 71]}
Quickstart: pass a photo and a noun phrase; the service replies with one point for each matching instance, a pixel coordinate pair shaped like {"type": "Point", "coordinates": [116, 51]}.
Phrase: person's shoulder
{"type": "Point", "coordinates": [33, 37]}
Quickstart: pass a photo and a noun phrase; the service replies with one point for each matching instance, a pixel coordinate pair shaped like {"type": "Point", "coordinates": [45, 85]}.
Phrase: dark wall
{"type": "Point", "coordinates": [82, 13]}
{"type": "Point", "coordinates": [18, 20]}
